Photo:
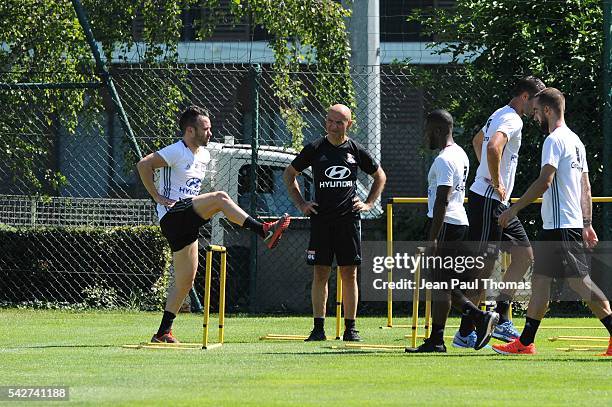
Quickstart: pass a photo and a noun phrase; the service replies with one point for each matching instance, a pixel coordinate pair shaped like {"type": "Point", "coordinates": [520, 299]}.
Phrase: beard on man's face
{"type": "Point", "coordinates": [544, 126]}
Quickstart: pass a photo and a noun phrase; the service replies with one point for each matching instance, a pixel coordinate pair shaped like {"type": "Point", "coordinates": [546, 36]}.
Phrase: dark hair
{"type": "Point", "coordinates": [529, 84]}
{"type": "Point", "coordinates": [553, 98]}
{"type": "Point", "coordinates": [440, 118]}
{"type": "Point", "coordinates": [189, 117]}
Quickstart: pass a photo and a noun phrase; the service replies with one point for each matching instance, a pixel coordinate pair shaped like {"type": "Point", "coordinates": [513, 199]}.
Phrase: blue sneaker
{"type": "Point", "coordinates": [506, 332]}
{"type": "Point", "coordinates": [467, 342]}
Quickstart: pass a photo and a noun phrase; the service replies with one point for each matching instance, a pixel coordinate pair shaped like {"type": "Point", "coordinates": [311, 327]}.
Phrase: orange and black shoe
{"type": "Point", "coordinates": [273, 231]}
{"type": "Point", "coordinates": [515, 348]}
{"type": "Point", "coordinates": [165, 338]}
{"type": "Point", "coordinates": [609, 351]}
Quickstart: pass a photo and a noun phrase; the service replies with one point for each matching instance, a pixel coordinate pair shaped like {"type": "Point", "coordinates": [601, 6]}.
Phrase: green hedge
{"type": "Point", "coordinates": [98, 267]}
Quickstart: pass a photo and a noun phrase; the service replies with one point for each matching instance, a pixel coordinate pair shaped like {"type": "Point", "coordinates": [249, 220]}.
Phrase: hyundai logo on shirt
{"type": "Point", "coordinates": [192, 187]}
{"type": "Point", "coordinates": [336, 173]}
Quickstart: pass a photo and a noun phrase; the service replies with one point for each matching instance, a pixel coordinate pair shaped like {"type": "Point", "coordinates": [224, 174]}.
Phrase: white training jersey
{"type": "Point", "coordinates": [507, 121]}
{"type": "Point", "coordinates": [561, 207]}
{"type": "Point", "coordinates": [450, 168]}
{"type": "Point", "coordinates": [182, 178]}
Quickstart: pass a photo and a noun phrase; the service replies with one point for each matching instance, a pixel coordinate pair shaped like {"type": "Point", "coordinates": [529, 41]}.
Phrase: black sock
{"type": "Point", "coordinates": [470, 314]}
{"type": "Point", "coordinates": [467, 325]}
{"type": "Point", "coordinates": [437, 334]}
{"type": "Point", "coordinates": [319, 324]}
{"type": "Point", "coordinates": [349, 324]}
{"type": "Point", "coordinates": [166, 323]}
{"type": "Point", "coordinates": [529, 332]}
{"type": "Point", "coordinates": [607, 322]}
{"type": "Point", "coordinates": [254, 226]}
{"type": "Point", "coordinates": [502, 309]}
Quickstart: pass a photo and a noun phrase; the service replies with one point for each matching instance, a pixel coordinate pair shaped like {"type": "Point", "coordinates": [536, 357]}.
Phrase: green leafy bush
{"type": "Point", "coordinates": [97, 267]}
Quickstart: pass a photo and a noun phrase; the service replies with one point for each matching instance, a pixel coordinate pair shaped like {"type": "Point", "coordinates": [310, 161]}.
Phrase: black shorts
{"type": "Point", "coordinates": [451, 255]}
{"type": "Point", "coordinates": [560, 253]}
{"type": "Point", "coordinates": [340, 238]}
{"type": "Point", "coordinates": [485, 232]}
{"type": "Point", "coordinates": [181, 225]}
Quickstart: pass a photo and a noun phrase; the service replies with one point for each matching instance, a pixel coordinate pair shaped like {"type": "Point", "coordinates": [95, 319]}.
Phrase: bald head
{"type": "Point", "coordinates": [341, 109]}
{"type": "Point", "coordinates": [339, 120]}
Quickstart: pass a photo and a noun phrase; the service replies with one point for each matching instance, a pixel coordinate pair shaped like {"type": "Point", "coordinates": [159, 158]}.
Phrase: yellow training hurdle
{"type": "Point", "coordinates": [505, 261]}
{"type": "Point", "coordinates": [205, 336]}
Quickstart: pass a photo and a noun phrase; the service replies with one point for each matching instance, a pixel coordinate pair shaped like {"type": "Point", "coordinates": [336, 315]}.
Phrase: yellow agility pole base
{"type": "Point", "coordinates": [373, 346]}
{"type": "Point", "coordinates": [283, 337]}
{"type": "Point", "coordinates": [579, 338]}
{"type": "Point", "coordinates": [205, 345]}
{"type": "Point", "coordinates": [582, 348]}
{"type": "Point", "coordinates": [289, 337]}
{"type": "Point", "coordinates": [180, 345]}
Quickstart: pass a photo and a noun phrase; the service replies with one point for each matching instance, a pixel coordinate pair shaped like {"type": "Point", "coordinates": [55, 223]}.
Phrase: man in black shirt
{"type": "Point", "coordinates": [335, 225]}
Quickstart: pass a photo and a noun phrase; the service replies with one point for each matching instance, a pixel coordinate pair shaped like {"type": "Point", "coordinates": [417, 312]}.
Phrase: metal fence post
{"type": "Point", "coordinates": [255, 74]}
{"type": "Point", "coordinates": [104, 74]}
{"type": "Point", "coordinates": [607, 116]}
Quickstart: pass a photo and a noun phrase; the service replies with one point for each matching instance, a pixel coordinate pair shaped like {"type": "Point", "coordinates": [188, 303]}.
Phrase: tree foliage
{"type": "Point", "coordinates": [44, 42]}
{"type": "Point", "coordinates": [303, 30]}
{"type": "Point", "coordinates": [559, 41]}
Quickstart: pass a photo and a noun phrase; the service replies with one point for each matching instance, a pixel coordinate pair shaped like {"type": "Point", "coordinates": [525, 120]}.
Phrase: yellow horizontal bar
{"type": "Point", "coordinates": [395, 326]}
{"type": "Point", "coordinates": [159, 346]}
{"type": "Point", "coordinates": [282, 338]}
{"type": "Point", "coordinates": [215, 248]}
{"type": "Point", "coordinates": [170, 344]}
{"type": "Point", "coordinates": [423, 336]}
{"type": "Point", "coordinates": [373, 346]}
{"type": "Point", "coordinates": [579, 339]}
{"type": "Point", "coordinates": [582, 349]}
{"type": "Point", "coordinates": [420, 200]}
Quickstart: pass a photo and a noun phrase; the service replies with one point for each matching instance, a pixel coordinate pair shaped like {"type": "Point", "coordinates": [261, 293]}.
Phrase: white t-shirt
{"type": "Point", "coordinates": [182, 178]}
{"type": "Point", "coordinates": [561, 207]}
{"type": "Point", "coordinates": [507, 121]}
{"type": "Point", "coordinates": [450, 168]}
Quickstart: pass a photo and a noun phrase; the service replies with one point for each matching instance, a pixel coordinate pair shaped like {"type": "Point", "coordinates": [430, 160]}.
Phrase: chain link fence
{"type": "Point", "coordinates": [77, 226]}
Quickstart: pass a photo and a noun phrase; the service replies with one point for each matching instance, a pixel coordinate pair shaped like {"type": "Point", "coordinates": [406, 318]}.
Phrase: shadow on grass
{"type": "Point", "coordinates": [371, 352]}
{"type": "Point", "coordinates": [558, 359]}
{"type": "Point", "coordinates": [59, 346]}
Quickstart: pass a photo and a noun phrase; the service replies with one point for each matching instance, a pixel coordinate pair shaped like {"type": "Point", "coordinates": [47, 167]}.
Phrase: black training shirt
{"type": "Point", "coordinates": [334, 170]}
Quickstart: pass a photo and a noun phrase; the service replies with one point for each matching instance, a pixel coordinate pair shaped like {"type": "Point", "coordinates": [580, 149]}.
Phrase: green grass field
{"type": "Point", "coordinates": [83, 350]}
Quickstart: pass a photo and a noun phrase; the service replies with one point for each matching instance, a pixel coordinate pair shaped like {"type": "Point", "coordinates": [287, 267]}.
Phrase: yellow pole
{"type": "Point", "coordinates": [390, 270]}
{"type": "Point", "coordinates": [505, 264]}
{"type": "Point", "coordinates": [415, 302]}
{"type": "Point", "coordinates": [207, 298]}
{"type": "Point", "coordinates": [338, 302]}
{"type": "Point", "coordinates": [427, 313]}
{"type": "Point", "coordinates": [222, 295]}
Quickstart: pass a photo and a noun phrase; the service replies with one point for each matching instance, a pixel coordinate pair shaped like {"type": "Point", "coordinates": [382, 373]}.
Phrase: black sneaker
{"type": "Point", "coordinates": [428, 347]}
{"type": "Point", "coordinates": [351, 335]}
{"type": "Point", "coordinates": [484, 328]}
{"type": "Point", "coordinates": [316, 335]}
